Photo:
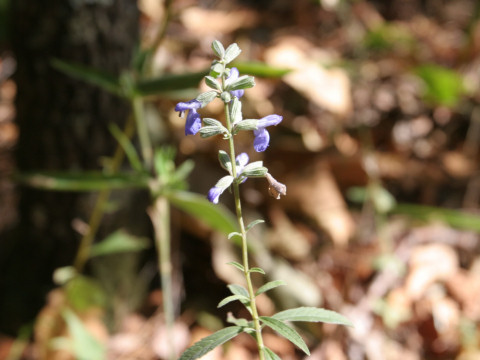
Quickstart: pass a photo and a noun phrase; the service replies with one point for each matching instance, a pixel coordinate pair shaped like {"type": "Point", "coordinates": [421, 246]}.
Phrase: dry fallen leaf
{"type": "Point", "coordinates": [327, 88]}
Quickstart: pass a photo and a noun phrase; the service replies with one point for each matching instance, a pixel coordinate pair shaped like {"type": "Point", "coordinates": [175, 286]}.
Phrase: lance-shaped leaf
{"type": "Point", "coordinates": [90, 75]}
{"type": "Point", "coordinates": [206, 97]}
{"type": "Point", "coordinates": [235, 110]}
{"type": "Point", "coordinates": [83, 181]}
{"type": "Point", "coordinates": [167, 83]}
{"type": "Point", "coordinates": [243, 82]}
{"type": "Point", "coordinates": [208, 131]}
{"type": "Point", "coordinates": [216, 69]}
{"type": "Point", "coordinates": [312, 314]}
{"type": "Point", "coordinates": [239, 322]}
{"type": "Point", "coordinates": [231, 298]}
{"type": "Point", "coordinates": [231, 53]}
{"type": "Point", "coordinates": [218, 217]}
{"type": "Point", "coordinates": [256, 270]}
{"type": "Point", "coordinates": [210, 342]}
{"type": "Point", "coordinates": [238, 290]}
{"type": "Point", "coordinates": [245, 125]}
{"type": "Point", "coordinates": [218, 49]}
{"type": "Point", "coordinates": [269, 286]}
{"type": "Point", "coordinates": [270, 355]}
{"type": "Point", "coordinates": [254, 169]}
{"type": "Point", "coordinates": [260, 69]}
{"type": "Point", "coordinates": [119, 242]}
{"type": "Point", "coordinates": [212, 83]}
{"type": "Point", "coordinates": [225, 161]}
{"type": "Point", "coordinates": [253, 223]}
{"type": "Point", "coordinates": [237, 265]}
{"type": "Point", "coordinates": [286, 331]}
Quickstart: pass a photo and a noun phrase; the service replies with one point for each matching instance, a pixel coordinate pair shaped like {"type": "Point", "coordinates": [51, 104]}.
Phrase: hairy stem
{"type": "Point", "coordinates": [246, 268]}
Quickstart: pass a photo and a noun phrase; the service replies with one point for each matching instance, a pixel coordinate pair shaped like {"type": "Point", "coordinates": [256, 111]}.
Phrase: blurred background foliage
{"type": "Point", "coordinates": [378, 149]}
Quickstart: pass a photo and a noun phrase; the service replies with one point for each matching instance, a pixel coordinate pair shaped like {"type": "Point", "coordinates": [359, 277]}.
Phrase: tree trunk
{"type": "Point", "coordinates": [63, 126]}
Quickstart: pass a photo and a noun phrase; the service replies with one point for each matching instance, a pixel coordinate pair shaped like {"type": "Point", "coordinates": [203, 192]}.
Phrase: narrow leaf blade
{"type": "Point", "coordinates": [209, 343]}
{"type": "Point", "coordinates": [217, 217]}
{"type": "Point", "coordinates": [253, 223]}
{"type": "Point", "coordinates": [269, 286]}
{"type": "Point", "coordinates": [312, 314]}
{"type": "Point", "coordinates": [270, 355]}
{"type": "Point", "coordinates": [237, 265]}
{"type": "Point", "coordinates": [231, 298]}
{"type": "Point", "coordinates": [286, 331]}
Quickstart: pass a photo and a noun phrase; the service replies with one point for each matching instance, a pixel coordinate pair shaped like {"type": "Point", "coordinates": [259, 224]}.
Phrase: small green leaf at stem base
{"type": "Point", "coordinates": [286, 331]}
{"type": "Point", "coordinates": [210, 342]}
{"type": "Point", "coordinates": [269, 286]}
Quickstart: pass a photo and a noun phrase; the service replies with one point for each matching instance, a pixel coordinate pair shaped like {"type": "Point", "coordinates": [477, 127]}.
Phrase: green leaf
{"type": "Point", "coordinates": [242, 293]}
{"type": "Point", "coordinates": [269, 286]}
{"type": "Point", "coordinates": [218, 49]}
{"type": "Point", "coordinates": [231, 298]}
{"type": "Point", "coordinates": [232, 234]}
{"type": "Point", "coordinates": [84, 292]}
{"type": "Point", "coordinates": [243, 82]}
{"type": "Point", "coordinates": [312, 314]}
{"type": "Point", "coordinates": [286, 331]}
{"type": "Point", "coordinates": [237, 265]}
{"type": "Point", "coordinates": [218, 217]}
{"type": "Point", "coordinates": [127, 146]}
{"type": "Point", "coordinates": [83, 343]}
{"type": "Point", "coordinates": [90, 75]}
{"type": "Point", "coordinates": [245, 125]}
{"type": "Point", "coordinates": [239, 322]}
{"type": "Point", "coordinates": [260, 69]}
{"type": "Point", "coordinates": [225, 161]}
{"type": "Point", "coordinates": [183, 170]}
{"type": "Point", "coordinates": [257, 270]}
{"type": "Point", "coordinates": [208, 131]}
{"type": "Point", "coordinates": [231, 53]}
{"type": "Point", "coordinates": [168, 83]}
{"type": "Point", "coordinates": [443, 86]}
{"type": "Point", "coordinates": [212, 83]}
{"type": "Point", "coordinates": [83, 181]}
{"type": "Point", "coordinates": [235, 110]}
{"type": "Point", "coordinates": [119, 242]}
{"type": "Point", "coordinates": [270, 355]}
{"type": "Point", "coordinates": [254, 169]}
{"type": "Point", "coordinates": [455, 218]}
{"type": "Point", "coordinates": [253, 223]}
{"type": "Point", "coordinates": [207, 97]}
{"type": "Point", "coordinates": [210, 342]}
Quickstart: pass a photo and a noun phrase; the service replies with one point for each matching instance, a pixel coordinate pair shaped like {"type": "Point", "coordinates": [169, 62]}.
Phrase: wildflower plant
{"type": "Point", "coordinates": [228, 85]}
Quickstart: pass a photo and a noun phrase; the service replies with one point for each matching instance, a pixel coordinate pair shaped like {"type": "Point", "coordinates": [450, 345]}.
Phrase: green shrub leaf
{"type": "Point", "coordinates": [231, 298]}
{"type": "Point", "coordinates": [312, 314]}
{"type": "Point", "coordinates": [286, 331]}
{"type": "Point", "coordinates": [269, 286]}
{"type": "Point", "coordinates": [270, 355]}
{"type": "Point", "coordinates": [210, 342]}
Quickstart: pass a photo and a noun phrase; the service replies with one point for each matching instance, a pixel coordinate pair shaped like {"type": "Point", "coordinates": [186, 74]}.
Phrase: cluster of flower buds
{"type": "Point", "coordinates": [227, 84]}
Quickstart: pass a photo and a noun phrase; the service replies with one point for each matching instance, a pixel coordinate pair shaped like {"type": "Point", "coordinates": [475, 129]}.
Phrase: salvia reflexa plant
{"type": "Point", "coordinates": [227, 85]}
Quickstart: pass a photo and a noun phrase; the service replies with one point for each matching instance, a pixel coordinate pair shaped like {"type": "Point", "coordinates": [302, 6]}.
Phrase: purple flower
{"type": "Point", "coordinates": [262, 137]}
{"type": "Point", "coordinates": [193, 123]}
{"type": "Point", "coordinates": [241, 161]}
{"type": "Point", "coordinates": [214, 194]}
{"type": "Point", "coordinates": [234, 73]}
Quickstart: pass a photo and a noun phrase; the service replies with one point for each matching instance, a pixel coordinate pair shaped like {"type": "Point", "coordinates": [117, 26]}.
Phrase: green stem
{"type": "Point", "coordinates": [160, 215]}
{"type": "Point", "coordinates": [98, 211]}
{"type": "Point", "coordinates": [246, 268]}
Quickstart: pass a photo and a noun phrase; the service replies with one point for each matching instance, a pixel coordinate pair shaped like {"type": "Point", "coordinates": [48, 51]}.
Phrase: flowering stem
{"type": "Point", "coordinates": [246, 268]}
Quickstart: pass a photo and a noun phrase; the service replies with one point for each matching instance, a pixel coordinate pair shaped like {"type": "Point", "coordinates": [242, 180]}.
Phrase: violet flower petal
{"type": "Point", "coordinates": [214, 194]}
{"type": "Point", "coordinates": [262, 139]}
{"type": "Point", "coordinates": [193, 123]}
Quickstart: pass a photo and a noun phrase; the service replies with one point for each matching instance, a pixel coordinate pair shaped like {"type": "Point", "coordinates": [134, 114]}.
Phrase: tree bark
{"type": "Point", "coordinates": [63, 126]}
